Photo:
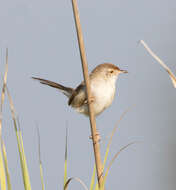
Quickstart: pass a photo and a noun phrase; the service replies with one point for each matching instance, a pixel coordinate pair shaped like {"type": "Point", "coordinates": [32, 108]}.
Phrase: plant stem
{"type": "Point", "coordinates": [96, 145]}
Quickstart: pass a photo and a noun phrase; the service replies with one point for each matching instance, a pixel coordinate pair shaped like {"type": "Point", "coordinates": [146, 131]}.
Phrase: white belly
{"type": "Point", "coordinates": [103, 95]}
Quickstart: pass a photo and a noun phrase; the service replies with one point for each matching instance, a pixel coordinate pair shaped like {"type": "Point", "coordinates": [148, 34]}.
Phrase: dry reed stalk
{"type": "Point", "coordinates": [96, 145]}
{"type": "Point", "coordinates": [172, 76]}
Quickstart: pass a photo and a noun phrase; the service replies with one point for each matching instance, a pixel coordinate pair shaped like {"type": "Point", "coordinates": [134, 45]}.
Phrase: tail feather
{"type": "Point", "coordinates": [65, 90]}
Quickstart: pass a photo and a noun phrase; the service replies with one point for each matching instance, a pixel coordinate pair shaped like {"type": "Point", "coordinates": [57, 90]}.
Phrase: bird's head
{"type": "Point", "coordinates": [107, 71]}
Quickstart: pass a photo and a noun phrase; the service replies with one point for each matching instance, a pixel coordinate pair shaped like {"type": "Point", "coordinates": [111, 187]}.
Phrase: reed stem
{"type": "Point", "coordinates": [95, 139]}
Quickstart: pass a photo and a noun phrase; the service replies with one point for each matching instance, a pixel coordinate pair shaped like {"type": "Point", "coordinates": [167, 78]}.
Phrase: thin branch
{"type": "Point", "coordinates": [172, 76]}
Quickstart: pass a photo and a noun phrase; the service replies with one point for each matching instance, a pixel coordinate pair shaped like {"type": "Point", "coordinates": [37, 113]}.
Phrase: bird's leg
{"type": "Point", "coordinates": [98, 137]}
{"type": "Point", "coordinates": [92, 99]}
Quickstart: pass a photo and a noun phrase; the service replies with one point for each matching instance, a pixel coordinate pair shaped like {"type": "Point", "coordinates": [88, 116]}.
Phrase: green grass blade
{"type": "Point", "coordinates": [3, 91]}
{"type": "Point", "coordinates": [20, 154]}
{"type": "Point", "coordinates": [18, 133]}
{"type": "Point", "coordinates": [9, 186]}
{"type": "Point", "coordinates": [65, 162]}
{"type": "Point", "coordinates": [40, 161]}
{"type": "Point", "coordinates": [113, 159]}
{"type": "Point", "coordinates": [111, 136]}
{"type": "Point", "coordinates": [93, 179]}
{"type": "Point", "coordinates": [4, 81]}
{"type": "Point", "coordinates": [23, 162]}
{"type": "Point", "coordinates": [41, 176]}
{"type": "Point", "coordinates": [26, 172]}
{"type": "Point", "coordinates": [2, 171]}
{"type": "Point", "coordinates": [96, 187]}
{"type": "Point", "coordinates": [110, 142]}
{"type": "Point", "coordinates": [65, 172]}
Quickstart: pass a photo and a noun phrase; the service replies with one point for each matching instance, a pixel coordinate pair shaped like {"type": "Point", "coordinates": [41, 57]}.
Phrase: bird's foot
{"type": "Point", "coordinates": [91, 100]}
{"type": "Point", "coordinates": [97, 135]}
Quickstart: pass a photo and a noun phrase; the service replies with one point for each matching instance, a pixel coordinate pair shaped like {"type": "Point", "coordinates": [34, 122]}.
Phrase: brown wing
{"type": "Point", "coordinates": [78, 97]}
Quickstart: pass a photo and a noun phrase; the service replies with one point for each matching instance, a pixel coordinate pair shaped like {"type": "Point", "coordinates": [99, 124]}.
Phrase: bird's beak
{"type": "Point", "coordinates": [123, 71]}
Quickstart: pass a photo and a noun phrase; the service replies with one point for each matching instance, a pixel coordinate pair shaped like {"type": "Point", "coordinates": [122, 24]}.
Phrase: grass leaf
{"type": "Point", "coordinates": [113, 159]}
{"type": "Point", "coordinates": [23, 162]}
{"type": "Point", "coordinates": [40, 161]}
{"type": "Point", "coordinates": [93, 179]}
{"type": "Point", "coordinates": [107, 150]}
{"type": "Point", "coordinates": [3, 90]}
{"type": "Point", "coordinates": [77, 179]}
{"type": "Point", "coordinates": [9, 186]}
{"type": "Point", "coordinates": [2, 171]}
{"type": "Point", "coordinates": [65, 162]}
{"type": "Point", "coordinates": [41, 176]}
{"type": "Point", "coordinates": [111, 136]}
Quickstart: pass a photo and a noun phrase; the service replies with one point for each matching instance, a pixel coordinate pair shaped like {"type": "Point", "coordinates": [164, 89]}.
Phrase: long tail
{"type": "Point", "coordinates": [65, 90]}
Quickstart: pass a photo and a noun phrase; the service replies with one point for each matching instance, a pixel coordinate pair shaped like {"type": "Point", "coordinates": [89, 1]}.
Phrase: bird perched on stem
{"type": "Point", "coordinates": [102, 84]}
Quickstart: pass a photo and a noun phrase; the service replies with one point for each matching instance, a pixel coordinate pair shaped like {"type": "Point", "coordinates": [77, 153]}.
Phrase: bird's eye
{"type": "Point", "coordinates": [111, 71]}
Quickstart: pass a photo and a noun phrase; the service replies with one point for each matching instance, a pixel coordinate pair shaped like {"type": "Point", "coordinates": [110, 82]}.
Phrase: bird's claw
{"type": "Point", "coordinates": [91, 100]}
{"type": "Point", "coordinates": [98, 137]}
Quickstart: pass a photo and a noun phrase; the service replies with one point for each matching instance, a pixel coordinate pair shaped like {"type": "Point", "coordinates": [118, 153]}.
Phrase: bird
{"type": "Point", "coordinates": [102, 85]}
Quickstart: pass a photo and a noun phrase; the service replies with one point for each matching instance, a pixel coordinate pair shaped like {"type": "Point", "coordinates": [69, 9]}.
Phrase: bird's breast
{"type": "Point", "coordinates": [103, 94]}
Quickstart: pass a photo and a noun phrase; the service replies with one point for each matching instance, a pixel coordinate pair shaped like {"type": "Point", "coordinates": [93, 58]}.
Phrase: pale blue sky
{"type": "Point", "coordinates": [42, 42]}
